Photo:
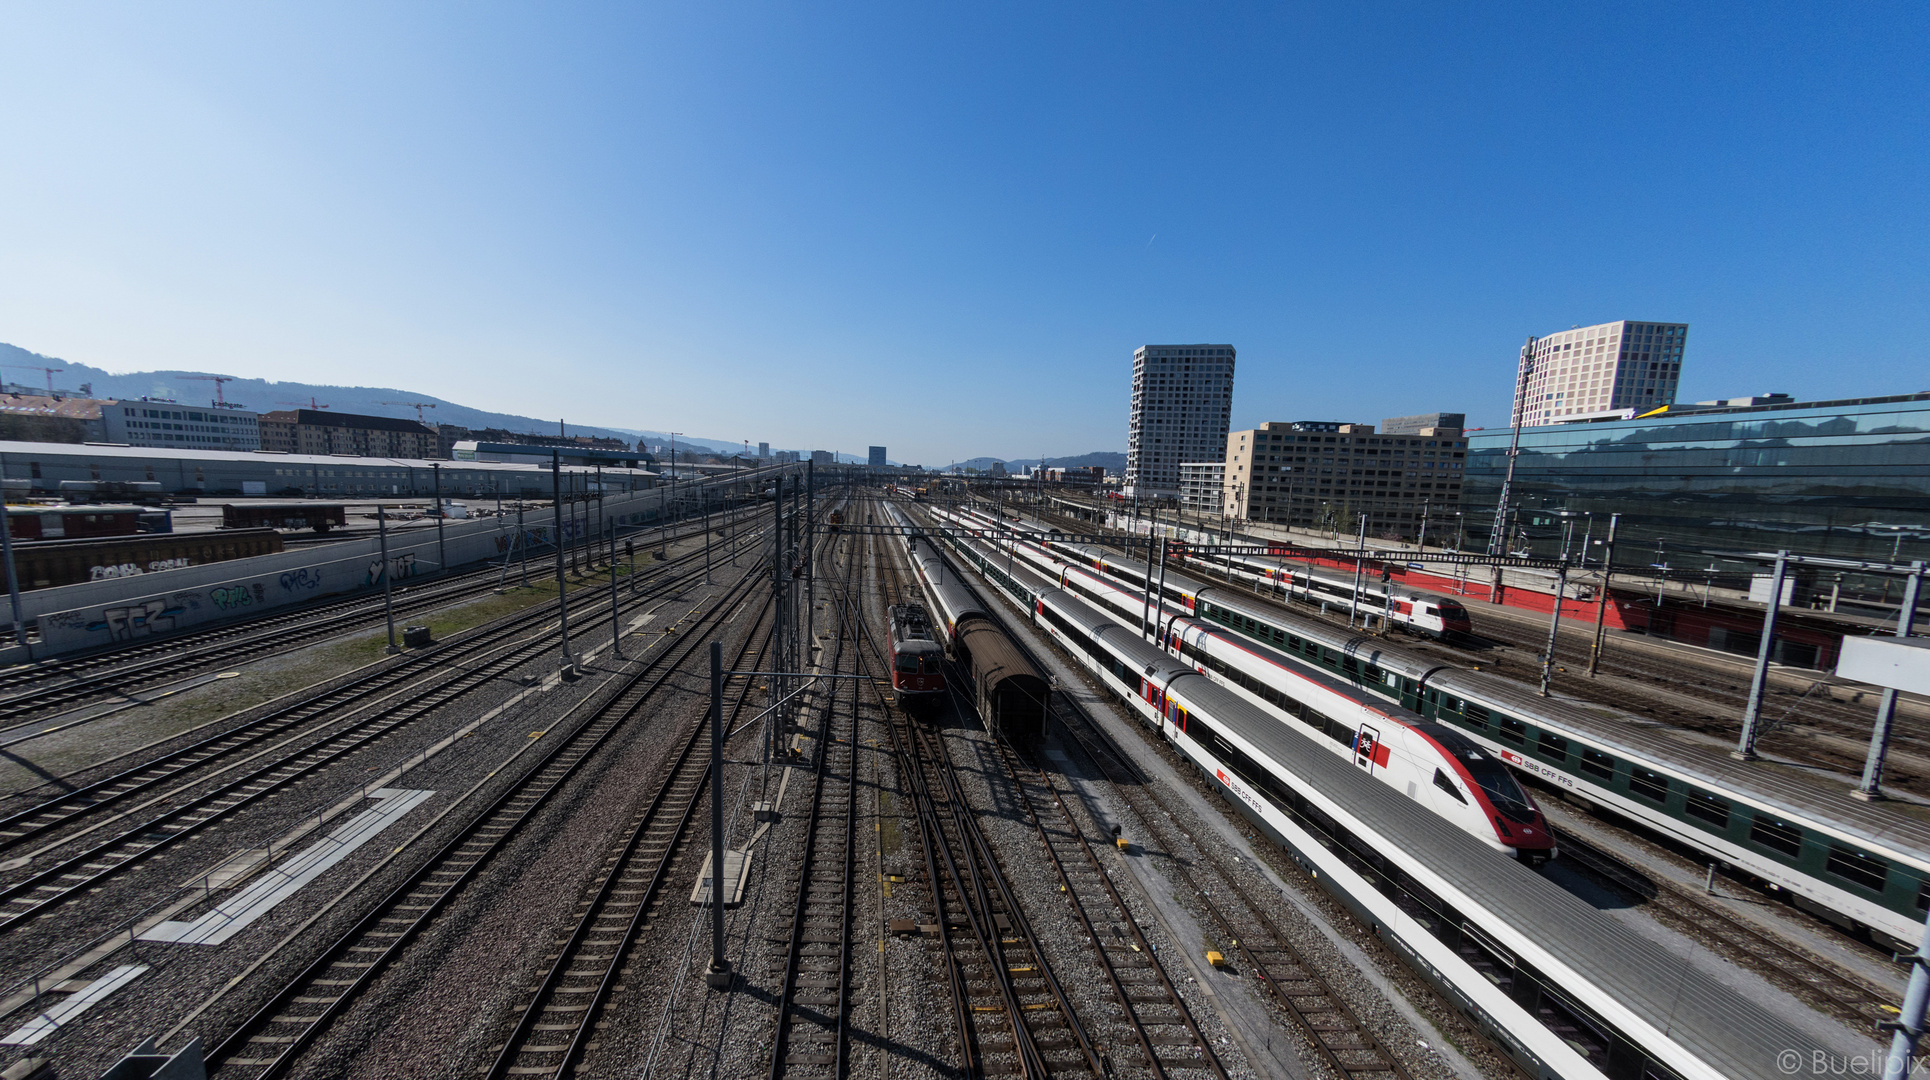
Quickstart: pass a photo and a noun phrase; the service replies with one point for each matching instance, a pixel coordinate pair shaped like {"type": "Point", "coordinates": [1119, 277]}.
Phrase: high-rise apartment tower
{"type": "Point", "coordinates": [1597, 372]}
{"type": "Point", "coordinates": [1182, 399]}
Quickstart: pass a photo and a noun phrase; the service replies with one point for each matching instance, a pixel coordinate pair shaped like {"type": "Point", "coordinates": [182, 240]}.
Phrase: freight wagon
{"type": "Point", "coordinates": [46, 564]}
{"type": "Point", "coordinates": [318, 516]}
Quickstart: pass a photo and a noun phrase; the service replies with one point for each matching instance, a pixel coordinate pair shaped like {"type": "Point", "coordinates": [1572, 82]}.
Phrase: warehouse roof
{"type": "Point", "coordinates": [255, 457]}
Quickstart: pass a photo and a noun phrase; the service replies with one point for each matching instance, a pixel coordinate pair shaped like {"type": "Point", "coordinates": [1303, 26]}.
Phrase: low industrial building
{"type": "Point", "coordinates": [1847, 478]}
{"type": "Point", "coordinates": [41, 467]}
{"type": "Point", "coordinates": [537, 454]}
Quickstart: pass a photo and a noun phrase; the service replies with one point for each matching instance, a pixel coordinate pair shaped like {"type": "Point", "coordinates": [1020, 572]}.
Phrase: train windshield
{"type": "Point", "coordinates": [1499, 785]}
{"type": "Point", "coordinates": [907, 663]}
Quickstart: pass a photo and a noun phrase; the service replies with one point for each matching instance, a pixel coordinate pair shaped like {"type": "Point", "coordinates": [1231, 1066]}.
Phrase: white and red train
{"type": "Point", "coordinates": [1431, 763]}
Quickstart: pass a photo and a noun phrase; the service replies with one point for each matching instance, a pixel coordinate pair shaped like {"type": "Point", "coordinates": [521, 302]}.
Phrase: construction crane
{"type": "Point", "coordinates": [219, 381]}
{"type": "Point", "coordinates": [311, 404]}
{"type": "Point", "coordinates": [418, 406]}
{"type": "Point", "coordinates": [49, 370]}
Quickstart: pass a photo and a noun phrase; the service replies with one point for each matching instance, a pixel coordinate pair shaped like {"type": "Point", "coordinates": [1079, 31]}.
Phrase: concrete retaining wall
{"type": "Point", "coordinates": [96, 613]}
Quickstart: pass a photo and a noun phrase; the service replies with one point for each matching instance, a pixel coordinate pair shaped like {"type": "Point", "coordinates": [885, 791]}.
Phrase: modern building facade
{"type": "Point", "coordinates": [1200, 486]}
{"type": "Point", "coordinates": [180, 427]}
{"type": "Point", "coordinates": [877, 457]}
{"type": "Point", "coordinates": [1414, 425]}
{"type": "Point", "coordinates": [1848, 479]}
{"type": "Point", "coordinates": [763, 450]}
{"type": "Point", "coordinates": [1597, 372]}
{"type": "Point", "coordinates": [1181, 404]}
{"type": "Point", "coordinates": [312, 431]}
{"type": "Point", "coordinates": [1324, 474]}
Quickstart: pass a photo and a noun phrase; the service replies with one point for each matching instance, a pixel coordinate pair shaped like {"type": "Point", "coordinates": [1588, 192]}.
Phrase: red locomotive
{"type": "Point", "coordinates": [917, 658]}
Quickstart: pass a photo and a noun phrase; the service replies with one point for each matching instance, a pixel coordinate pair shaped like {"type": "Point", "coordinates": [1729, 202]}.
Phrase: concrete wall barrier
{"type": "Point", "coordinates": [96, 613]}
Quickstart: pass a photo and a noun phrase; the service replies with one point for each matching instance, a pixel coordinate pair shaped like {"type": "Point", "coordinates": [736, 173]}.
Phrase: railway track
{"type": "Point", "coordinates": [313, 741]}
{"type": "Point", "coordinates": [1041, 1033]}
{"type": "Point", "coordinates": [1809, 978]}
{"type": "Point", "coordinates": [268, 1043]}
{"type": "Point", "coordinates": [1168, 1037]}
{"type": "Point", "coordinates": [813, 1008]}
{"type": "Point", "coordinates": [1246, 930]}
{"type": "Point", "coordinates": [41, 689]}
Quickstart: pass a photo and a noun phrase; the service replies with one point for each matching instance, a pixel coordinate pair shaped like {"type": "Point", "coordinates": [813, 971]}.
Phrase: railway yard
{"type": "Point", "coordinates": [275, 848]}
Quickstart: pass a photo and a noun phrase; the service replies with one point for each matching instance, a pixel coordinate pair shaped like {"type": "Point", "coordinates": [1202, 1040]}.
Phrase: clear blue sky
{"type": "Point", "coordinates": [945, 228]}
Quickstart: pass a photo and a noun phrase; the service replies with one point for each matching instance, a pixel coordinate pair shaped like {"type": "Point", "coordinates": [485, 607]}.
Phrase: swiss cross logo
{"type": "Point", "coordinates": [1513, 758]}
{"type": "Point", "coordinates": [1220, 774]}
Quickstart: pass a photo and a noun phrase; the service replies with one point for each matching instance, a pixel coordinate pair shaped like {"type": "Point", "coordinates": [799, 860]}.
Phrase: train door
{"type": "Point", "coordinates": [1368, 751]}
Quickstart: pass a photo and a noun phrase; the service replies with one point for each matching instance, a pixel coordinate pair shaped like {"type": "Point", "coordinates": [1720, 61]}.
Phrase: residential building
{"type": "Point", "coordinates": [763, 450]}
{"type": "Point", "coordinates": [877, 458]}
{"type": "Point", "coordinates": [182, 427]}
{"type": "Point", "coordinates": [1200, 486]}
{"type": "Point", "coordinates": [1593, 372]}
{"type": "Point", "coordinates": [1181, 401]}
{"type": "Point", "coordinates": [1847, 479]}
{"type": "Point", "coordinates": [1325, 474]}
{"type": "Point", "coordinates": [312, 431]}
{"type": "Point", "coordinates": [1414, 425]}
{"type": "Point", "coordinates": [26, 416]}
{"type": "Point", "coordinates": [822, 457]}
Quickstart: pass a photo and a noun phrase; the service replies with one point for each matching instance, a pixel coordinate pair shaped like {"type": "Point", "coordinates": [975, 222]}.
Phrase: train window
{"type": "Point", "coordinates": [1491, 960]}
{"type": "Point", "coordinates": [1581, 1034]}
{"type": "Point", "coordinates": [1923, 896]}
{"type": "Point", "coordinates": [1552, 745]}
{"type": "Point", "coordinates": [1596, 763]}
{"type": "Point", "coordinates": [1441, 781]}
{"type": "Point", "coordinates": [1857, 868]}
{"type": "Point", "coordinates": [1648, 783]}
{"type": "Point", "coordinates": [1710, 808]}
{"type": "Point", "coordinates": [1776, 835]}
{"type": "Point", "coordinates": [1513, 730]}
{"type": "Point", "coordinates": [1477, 714]}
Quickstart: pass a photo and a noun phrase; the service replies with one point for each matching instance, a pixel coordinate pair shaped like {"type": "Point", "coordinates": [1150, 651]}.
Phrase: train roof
{"type": "Point", "coordinates": [1727, 1031]}
{"type": "Point", "coordinates": [1790, 794]}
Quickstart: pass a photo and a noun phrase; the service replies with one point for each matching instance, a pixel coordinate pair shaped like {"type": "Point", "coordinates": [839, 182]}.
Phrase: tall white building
{"type": "Point", "coordinates": [1182, 399]}
{"type": "Point", "coordinates": [1594, 372]}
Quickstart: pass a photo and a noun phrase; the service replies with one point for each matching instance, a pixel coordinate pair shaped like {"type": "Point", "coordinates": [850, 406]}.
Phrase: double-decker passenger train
{"type": "Point", "coordinates": [1863, 867]}
{"type": "Point", "coordinates": [1436, 766]}
{"type": "Point", "coordinates": [1564, 990]}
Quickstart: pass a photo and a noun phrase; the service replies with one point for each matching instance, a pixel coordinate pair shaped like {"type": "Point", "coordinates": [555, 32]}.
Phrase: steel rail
{"type": "Point", "coordinates": [95, 797]}
{"type": "Point", "coordinates": [459, 862]}
{"type": "Point", "coordinates": [36, 893]}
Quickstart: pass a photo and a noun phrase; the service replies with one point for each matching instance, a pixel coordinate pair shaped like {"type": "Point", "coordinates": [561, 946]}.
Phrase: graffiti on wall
{"type": "Point", "coordinates": [401, 568]}
{"type": "Point", "coordinates": [136, 620]}
{"type": "Point", "coordinates": [231, 597]}
{"type": "Point", "coordinates": [301, 581]}
{"type": "Point", "coordinates": [124, 570]}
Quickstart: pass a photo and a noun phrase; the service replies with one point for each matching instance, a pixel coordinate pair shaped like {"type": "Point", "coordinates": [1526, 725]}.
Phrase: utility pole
{"type": "Point", "coordinates": [1145, 617]}
{"type": "Point", "coordinates": [1497, 538]}
{"type": "Point", "coordinates": [522, 537]}
{"type": "Point", "coordinates": [13, 579]}
{"type": "Point", "coordinates": [388, 590]}
{"type": "Point", "coordinates": [1554, 626]}
{"type": "Point", "coordinates": [616, 626]}
{"type": "Point", "coordinates": [1751, 713]}
{"type": "Point", "coordinates": [562, 582]}
{"type": "Point", "coordinates": [1601, 601]}
{"type": "Point", "coordinates": [810, 580]}
{"type": "Point", "coordinates": [442, 552]}
{"type": "Point", "coordinates": [719, 975]}
{"type": "Point", "coordinates": [1872, 786]}
{"type": "Point", "coordinates": [1360, 559]}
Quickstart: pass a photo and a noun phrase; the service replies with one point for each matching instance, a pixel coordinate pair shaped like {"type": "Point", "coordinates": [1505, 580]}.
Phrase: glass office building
{"type": "Point", "coordinates": [1848, 479]}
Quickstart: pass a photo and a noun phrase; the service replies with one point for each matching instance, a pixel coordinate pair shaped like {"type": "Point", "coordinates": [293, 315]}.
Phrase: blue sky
{"type": "Point", "coordinates": [945, 228]}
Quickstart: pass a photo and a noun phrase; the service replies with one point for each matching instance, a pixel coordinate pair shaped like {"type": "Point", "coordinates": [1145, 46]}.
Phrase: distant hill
{"type": "Point", "coordinates": [1114, 462]}
{"type": "Point", "coordinates": [262, 395]}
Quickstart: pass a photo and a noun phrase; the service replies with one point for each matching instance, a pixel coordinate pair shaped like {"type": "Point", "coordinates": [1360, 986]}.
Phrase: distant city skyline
{"type": "Point", "coordinates": [939, 229]}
